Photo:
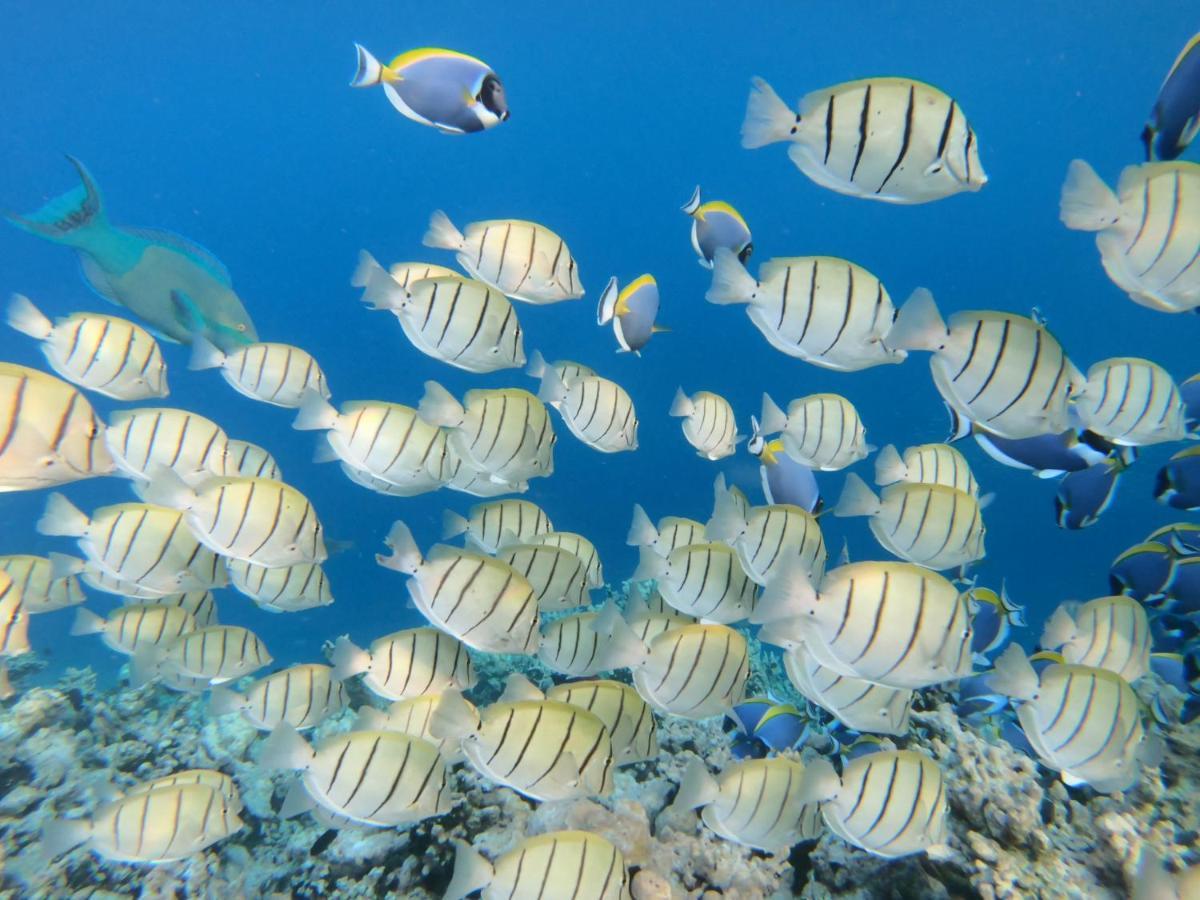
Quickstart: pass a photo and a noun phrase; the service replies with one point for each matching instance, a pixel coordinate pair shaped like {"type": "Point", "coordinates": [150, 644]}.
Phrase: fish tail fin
{"type": "Point", "coordinates": [442, 233]}
{"type": "Point", "coordinates": [315, 413]}
{"type": "Point", "coordinates": [641, 531]}
{"type": "Point", "coordinates": [454, 718]}
{"type": "Point", "coordinates": [1060, 628]}
{"type": "Point", "coordinates": [205, 354]}
{"type": "Point", "coordinates": [87, 622]}
{"type": "Point", "coordinates": [368, 71]}
{"type": "Point", "coordinates": [727, 522]}
{"type": "Point", "coordinates": [166, 488]}
{"type": "Point", "coordinates": [697, 787]}
{"type": "Point", "coordinates": [607, 307]}
{"type": "Point", "coordinates": [285, 749]}
{"type": "Point", "coordinates": [1087, 203]}
{"type": "Point", "coordinates": [773, 419]}
{"type": "Point", "coordinates": [72, 218]}
{"type": "Point", "coordinates": [552, 388]}
{"type": "Point", "coordinates": [889, 466]}
{"type": "Point", "coordinates": [537, 365]}
{"type": "Point", "coordinates": [650, 565]}
{"type": "Point", "coordinates": [348, 659]}
{"type": "Point", "coordinates": [624, 649]}
{"type": "Point", "coordinates": [471, 872]}
{"type": "Point", "coordinates": [62, 518]}
{"type": "Point", "coordinates": [857, 499]}
{"type": "Point", "coordinates": [788, 595]}
{"type": "Point", "coordinates": [693, 204]}
{"type": "Point", "coordinates": [820, 781]}
{"type": "Point", "coordinates": [380, 289]}
{"type": "Point", "coordinates": [60, 836]}
{"type": "Point", "coordinates": [27, 318]}
{"type": "Point", "coordinates": [438, 407]}
{"type": "Point", "coordinates": [62, 565]}
{"type": "Point", "coordinates": [682, 405]}
{"type": "Point", "coordinates": [731, 283]}
{"type": "Point", "coordinates": [1014, 676]}
{"type": "Point", "coordinates": [453, 525]}
{"type": "Point", "coordinates": [223, 701]}
{"type": "Point", "coordinates": [918, 325]}
{"type": "Point", "coordinates": [405, 555]}
{"type": "Point", "coordinates": [768, 119]}
{"type": "Point", "coordinates": [370, 718]}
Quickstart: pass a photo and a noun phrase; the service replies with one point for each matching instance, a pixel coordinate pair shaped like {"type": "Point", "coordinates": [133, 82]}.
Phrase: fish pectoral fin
{"type": "Point", "coordinates": [186, 312]}
{"type": "Point", "coordinates": [1190, 129]}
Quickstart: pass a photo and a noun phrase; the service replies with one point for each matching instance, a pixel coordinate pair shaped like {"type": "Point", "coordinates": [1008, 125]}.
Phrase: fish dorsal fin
{"type": "Point", "coordinates": [97, 278]}
{"type": "Point", "coordinates": [188, 248]}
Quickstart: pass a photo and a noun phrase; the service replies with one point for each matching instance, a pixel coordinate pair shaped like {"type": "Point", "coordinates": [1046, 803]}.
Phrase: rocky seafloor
{"type": "Point", "coordinates": [1016, 830]}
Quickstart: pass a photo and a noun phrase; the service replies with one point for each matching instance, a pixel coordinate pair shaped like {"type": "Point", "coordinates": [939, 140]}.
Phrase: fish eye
{"type": "Point", "coordinates": [241, 326]}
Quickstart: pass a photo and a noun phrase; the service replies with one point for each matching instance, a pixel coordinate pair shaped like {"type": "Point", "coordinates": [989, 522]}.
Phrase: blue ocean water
{"type": "Point", "coordinates": [234, 125]}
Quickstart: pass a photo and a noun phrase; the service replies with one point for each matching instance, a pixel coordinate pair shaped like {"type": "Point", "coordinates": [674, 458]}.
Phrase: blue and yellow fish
{"type": "Point", "coordinates": [716, 224]}
{"type": "Point", "coordinates": [1175, 118]}
{"type": "Point", "coordinates": [632, 311]}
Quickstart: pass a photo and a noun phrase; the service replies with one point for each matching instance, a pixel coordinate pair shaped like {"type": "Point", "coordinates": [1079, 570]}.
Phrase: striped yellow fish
{"type": "Point", "coordinates": [253, 519]}
{"type": "Point", "coordinates": [709, 423]}
{"type": "Point", "coordinates": [1084, 723]}
{"type": "Point", "coordinates": [218, 781]}
{"type": "Point", "coordinates": [1004, 372]}
{"type": "Point", "coordinates": [890, 139]}
{"type": "Point", "coordinates": [111, 356]}
{"type": "Point", "coordinates": [599, 412]}
{"type": "Point", "coordinates": [1110, 633]}
{"type": "Point", "coordinates": [890, 623]}
{"type": "Point", "coordinates": [820, 431]}
{"type": "Point", "coordinates": [409, 663]}
{"type": "Point", "coordinates": [702, 580]}
{"type": "Point", "coordinates": [694, 671]}
{"type": "Point", "coordinates": [504, 433]}
{"type": "Point", "coordinates": [571, 757]}
{"type": "Point", "coordinates": [1145, 231]}
{"type": "Point", "coordinates": [925, 464]}
{"type": "Point", "coordinates": [303, 696]}
{"type": "Point", "coordinates": [558, 577]}
{"type": "Point", "coordinates": [385, 441]}
{"type": "Point", "coordinates": [823, 310]}
{"type": "Point", "coordinates": [631, 725]}
{"type": "Point", "coordinates": [138, 543]}
{"type": "Point", "coordinates": [1131, 402]}
{"type": "Point", "coordinates": [575, 864]}
{"type": "Point", "coordinates": [859, 705]}
{"type": "Point", "coordinates": [49, 434]}
{"type": "Point", "coordinates": [769, 539]}
{"type": "Point", "coordinates": [199, 604]}
{"type": "Point", "coordinates": [891, 803]}
{"type": "Point", "coordinates": [40, 590]}
{"type": "Point", "coordinates": [412, 716]}
{"type": "Point", "coordinates": [283, 589]}
{"type": "Point", "coordinates": [579, 547]}
{"type": "Point", "coordinates": [128, 629]}
{"type": "Point", "coordinates": [756, 803]}
{"type": "Point", "coordinates": [571, 645]}
{"type": "Point", "coordinates": [161, 825]}
{"type": "Point", "coordinates": [346, 774]}
{"type": "Point", "coordinates": [215, 654]}
{"type": "Point", "coordinates": [522, 259]}
{"type": "Point", "coordinates": [251, 460]}
{"type": "Point", "coordinates": [486, 523]}
{"type": "Point", "coordinates": [278, 374]}
{"type": "Point", "coordinates": [143, 440]}
{"type": "Point", "coordinates": [928, 524]}
{"type": "Point", "coordinates": [671, 532]}
{"type": "Point", "coordinates": [14, 620]}
{"type": "Point", "coordinates": [566, 369]}
{"type": "Point", "coordinates": [480, 600]}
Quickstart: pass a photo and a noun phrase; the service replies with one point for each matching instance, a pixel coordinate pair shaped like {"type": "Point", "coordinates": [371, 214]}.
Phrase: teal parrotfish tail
{"type": "Point", "coordinates": [176, 287]}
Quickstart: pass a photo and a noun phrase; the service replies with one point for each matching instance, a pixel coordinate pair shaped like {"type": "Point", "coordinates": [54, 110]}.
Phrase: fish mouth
{"type": "Point", "coordinates": [63, 214]}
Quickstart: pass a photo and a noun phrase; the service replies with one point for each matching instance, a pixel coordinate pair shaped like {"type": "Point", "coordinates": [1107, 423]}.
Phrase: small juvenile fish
{"type": "Point", "coordinates": [572, 755]}
{"type": "Point", "coordinates": [1131, 402]}
{"type": "Point", "coordinates": [284, 589]}
{"type": "Point", "coordinates": [717, 225]}
{"type": "Point", "coordinates": [858, 704]}
{"type": "Point", "coordinates": [345, 773]}
{"type": "Point", "coordinates": [579, 547]}
{"type": "Point", "coordinates": [524, 260]}
{"type": "Point", "coordinates": [253, 519]}
{"type": "Point", "coordinates": [138, 543]}
{"type": "Point", "coordinates": [278, 374]}
{"type": "Point", "coordinates": [1146, 231]}
{"type": "Point", "coordinates": [128, 629]}
{"type": "Point", "coordinates": [708, 423]}
{"type": "Point", "coordinates": [462, 322]}
{"type": "Point", "coordinates": [504, 433]}
{"type": "Point", "coordinates": [51, 435]}
{"type": "Point", "coordinates": [1004, 372]}
{"type": "Point", "coordinates": [596, 410]}
{"type": "Point", "coordinates": [1084, 723]}
{"type": "Point", "coordinates": [215, 654]}
{"type": "Point", "coordinates": [769, 539]}
{"type": "Point", "coordinates": [1175, 119]}
{"type": "Point", "coordinates": [821, 309]}
{"type": "Point", "coordinates": [111, 356]}
{"type": "Point", "coordinates": [412, 716]}
{"type": "Point", "coordinates": [891, 803]}
{"type": "Point", "coordinates": [486, 523]}
{"type": "Point", "coordinates": [632, 311]}
{"type": "Point", "coordinates": [928, 524]}
{"type": "Point", "coordinates": [756, 803]}
{"type": "Point", "coordinates": [156, 826]}
{"type": "Point", "coordinates": [578, 864]}
{"type": "Point", "coordinates": [890, 139]}
{"type": "Point", "coordinates": [250, 460]}
{"type": "Point", "coordinates": [1110, 633]}
{"type": "Point", "coordinates": [925, 464]}
{"type": "Point", "coordinates": [406, 664]}
{"type": "Point", "coordinates": [926, 641]}
{"type": "Point", "coordinates": [144, 440]}
{"type": "Point", "coordinates": [671, 532]}
{"type": "Point", "coordinates": [40, 590]}
{"type": "Point", "coordinates": [1177, 484]}
{"type": "Point", "coordinates": [820, 431]}
{"type": "Point", "coordinates": [445, 89]}
{"type": "Point", "coordinates": [303, 696]}
{"type": "Point", "coordinates": [558, 577]}
{"type": "Point", "coordinates": [480, 600]}
{"type": "Point", "coordinates": [630, 722]}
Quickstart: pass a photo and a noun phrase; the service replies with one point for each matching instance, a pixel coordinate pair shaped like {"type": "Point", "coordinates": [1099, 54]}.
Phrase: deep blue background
{"type": "Point", "coordinates": [233, 125]}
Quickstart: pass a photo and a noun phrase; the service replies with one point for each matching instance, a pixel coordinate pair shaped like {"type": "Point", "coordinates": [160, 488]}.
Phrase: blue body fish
{"type": "Point", "coordinates": [1175, 118]}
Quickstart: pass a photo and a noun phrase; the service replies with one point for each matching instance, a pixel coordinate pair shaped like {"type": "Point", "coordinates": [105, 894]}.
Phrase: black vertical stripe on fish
{"type": "Point", "coordinates": [995, 362]}
{"type": "Point", "coordinates": [912, 810]}
{"type": "Point", "coordinates": [862, 132]}
{"type": "Point", "coordinates": [1062, 703]}
{"type": "Point", "coordinates": [879, 607]}
{"type": "Point", "coordinates": [970, 141]}
{"type": "Point", "coordinates": [1176, 201]}
{"type": "Point", "coordinates": [829, 128]}
{"type": "Point", "coordinates": [1145, 217]}
{"type": "Point", "coordinates": [532, 730]}
{"type": "Point", "coordinates": [366, 767]}
{"type": "Point", "coordinates": [1083, 717]}
{"type": "Point", "coordinates": [942, 141]}
{"type": "Point", "coordinates": [971, 354]}
{"type": "Point", "coordinates": [787, 285]}
{"type": "Point", "coordinates": [848, 307]}
{"type": "Point", "coordinates": [503, 251]}
{"type": "Point", "coordinates": [904, 141]}
{"type": "Point", "coordinates": [482, 244]}
{"type": "Point", "coordinates": [450, 313]}
{"type": "Point", "coordinates": [913, 633]}
{"type": "Point", "coordinates": [1112, 730]}
{"type": "Point", "coordinates": [1033, 368]}
{"type": "Point", "coordinates": [887, 800]}
{"type": "Point", "coordinates": [95, 353]}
